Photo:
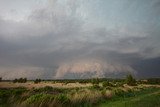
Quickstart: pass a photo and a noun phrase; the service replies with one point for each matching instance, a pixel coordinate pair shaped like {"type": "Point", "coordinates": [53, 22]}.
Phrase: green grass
{"type": "Point", "coordinates": [81, 97]}
{"type": "Point", "coordinates": [9, 96]}
{"type": "Point", "coordinates": [146, 98]}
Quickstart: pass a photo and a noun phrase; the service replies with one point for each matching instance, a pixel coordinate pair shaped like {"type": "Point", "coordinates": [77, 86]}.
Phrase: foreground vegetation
{"type": "Point", "coordinates": [81, 97]}
{"type": "Point", "coordinates": [149, 97]}
{"type": "Point", "coordinates": [102, 93]}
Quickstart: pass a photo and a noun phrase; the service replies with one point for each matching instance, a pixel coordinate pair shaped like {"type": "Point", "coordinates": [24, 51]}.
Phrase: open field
{"type": "Point", "coordinates": [62, 94]}
{"type": "Point", "coordinates": [30, 85]}
{"type": "Point", "coordinates": [150, 98]}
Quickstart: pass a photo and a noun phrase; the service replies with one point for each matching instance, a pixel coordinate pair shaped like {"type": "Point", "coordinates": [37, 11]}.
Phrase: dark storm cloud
{"type": "Point", "coordinates": [148, 68]}
{"type": "Point", "coordinates": [69, 32]}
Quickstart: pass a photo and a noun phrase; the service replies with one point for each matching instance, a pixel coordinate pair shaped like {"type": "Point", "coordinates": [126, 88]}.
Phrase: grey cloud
{"type": "Point", "coordinates": [57, 33]}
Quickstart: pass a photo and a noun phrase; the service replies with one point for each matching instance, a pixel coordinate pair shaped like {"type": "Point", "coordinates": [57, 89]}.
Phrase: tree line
{"type": "Point", "coordinates": [130, 80]}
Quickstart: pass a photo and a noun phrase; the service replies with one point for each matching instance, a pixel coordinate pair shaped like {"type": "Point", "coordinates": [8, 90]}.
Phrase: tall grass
{"type": "Point", "coordinates": [75, 97]}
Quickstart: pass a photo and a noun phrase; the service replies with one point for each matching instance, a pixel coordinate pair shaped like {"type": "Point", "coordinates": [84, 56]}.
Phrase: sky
{"type": "Point", "coordinates": [59, 39]}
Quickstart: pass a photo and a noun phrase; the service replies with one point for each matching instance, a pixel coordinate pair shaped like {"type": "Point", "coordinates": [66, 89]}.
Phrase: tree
{"type": "Point", "coordinates": [37, 81]}
{"type": "Point", "coordinates": [15, 80]}
{"type": "Point", "coordinates": [0, 79]}
{"type": "Point", "coordinates": [130, 80]}
{"type": "Point", "coordinates": [20, 80]}
{"type": "Point", "coordinates": [153, 81]}
{"type": "Point", "coordinates": [95, 81]}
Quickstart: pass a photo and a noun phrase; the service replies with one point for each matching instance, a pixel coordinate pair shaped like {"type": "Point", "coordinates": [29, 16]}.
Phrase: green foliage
{"type": "Point", "coordinates": [62, 98]}
{"type": "Point", "coordinates": [130, 80]}
{"type": "Point", "coordinates": [44, 89]}
{"type": "Point", "coordinates": [95, 81]}
{"type": "Point", "coordinates": [119, 84]}
{"type": "Point", "coordinates": [96, 86]}
{"type": "Point", "coordinates": [107, 83]}
{"type": "Point", "coordinates": [37, 81]}
{"type": "Point", "coordinates": [153, 81]}
{"type": "Point", "coordinates": [73, 97]}
{"type": "Point", "coordinates": [20, 80]}
{"type": "Point", "coordinates": [119, 92]}
{"type": "Point", "coordinates": [122, 93]}
{"type": "Point", "coordinates": [37, 98]}
{"type": "Point", "coordinates": [6, 94]}
{"type": "Point", "coordinates": [18, 91]}
{"type": "Point", "coordinates": [148, 97]}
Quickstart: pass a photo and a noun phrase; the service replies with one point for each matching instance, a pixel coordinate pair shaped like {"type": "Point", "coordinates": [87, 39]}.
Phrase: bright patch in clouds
{"type": "Point", "coordinates": [63, 38]}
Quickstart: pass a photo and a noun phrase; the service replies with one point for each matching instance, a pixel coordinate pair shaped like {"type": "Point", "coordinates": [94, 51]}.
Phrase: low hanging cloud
{"type": "Point", "coordinates": [91, 69]}
{"type": "Point", "coordinates": [92, 38]}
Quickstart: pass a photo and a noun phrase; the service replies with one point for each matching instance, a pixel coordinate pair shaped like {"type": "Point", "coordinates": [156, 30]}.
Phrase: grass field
{"type": "Point", "coordinates": [51, 94]}
{"type": "Point", "coordinates": [147, 98]}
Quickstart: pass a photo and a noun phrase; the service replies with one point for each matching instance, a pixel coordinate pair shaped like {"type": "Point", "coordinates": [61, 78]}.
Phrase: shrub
{"type": "Point", "coordinates": [48, 88]}
{"type": "Point", "coordinates": [85, 98]}
{"type": "Point", "coordinates": [44, 89]}
{"type": "Point", "coordinates": [4, 96]}
{"type": "Point", "coordinates": [95, 81]}
{"type": "Point", "coordinates": [62, 98]}
{"type": "Point", "coordinates": [15, 80]}
{"type": "Point", "coordinates": [96, 86]}
{"type": "Point", "coordinates": [130, 80]}
{"type": "Point", "coordinates": [38, 98]}
{"type": "Point", "coordinates": [153, 81]}
{"type": "Point", "coordinates": [119, 92]}
{"type": "Point", "coordinates": [37, 81]}
{"type": "Point", "coordinates": [107, 93]}
{"type": "Point", "coordinates": [18, 91]}
{"type": "Point", "coordinates": [20, 80]}
{"type": "Point", "coordinates": [105, 83]}
{"type": "Point", "coordinates": [119, 84]}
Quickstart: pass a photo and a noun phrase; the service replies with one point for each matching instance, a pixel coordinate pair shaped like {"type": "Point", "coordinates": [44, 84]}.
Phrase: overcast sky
{"type": "Point", "coordinates": [53, 39]}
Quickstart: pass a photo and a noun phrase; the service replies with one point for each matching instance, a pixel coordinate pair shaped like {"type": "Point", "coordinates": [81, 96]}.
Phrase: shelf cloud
{"type": "Point", "coordinates": [79, 38]}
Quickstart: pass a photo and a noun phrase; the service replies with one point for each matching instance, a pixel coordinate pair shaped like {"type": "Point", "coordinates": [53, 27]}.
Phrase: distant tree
{"type": "Point", "coordinates": [95, 81]}
{"type": "Point", "coordinates": [37, 81]}
{"type": "Point", "coordinates": [24, 80]}
{"type": "Point", "coordinates": [15, 80]}
{"type": "Point", "coordinates": [130, 80]}
{"type": "Point", "coordinates": [153, 81]}
{"type": "Point", "coordinates": [0, 79]}
{"type": "Point", "coordinates": [20, 80]}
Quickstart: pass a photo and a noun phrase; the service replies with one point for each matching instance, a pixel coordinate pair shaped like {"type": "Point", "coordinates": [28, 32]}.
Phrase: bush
{"type": "Point", "coordinates": [44, 89]}
{"type": "Point", "coordinates": [107, 83]}
{"type": "Point", "coordinates": [130, 80]}
{"type": "Point", "coordinates": [37, 81]}
{"type": "Point", "coordinates": [119, 84]}
{"type": "Point", "coordinates": [153, 81]}
{"type": "Point", "coordinates": [119, 92]}
{"type": "Point", "coordinates": [107, 93]}
{"type": "Point", "coordinates": [18, 91]}
{"type": "Point", "coordinates": [62, 98]}
{"type": "Point", "coordinates": [38, 98]}
{"type": "Point", "coordinates": [95, 81]}
{"type": "Point", "coordinates": [96, 86]}
{"type": "Point", "coordinates": [20, 80]}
